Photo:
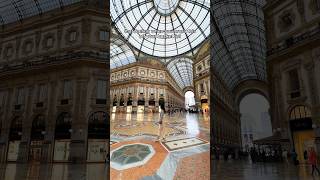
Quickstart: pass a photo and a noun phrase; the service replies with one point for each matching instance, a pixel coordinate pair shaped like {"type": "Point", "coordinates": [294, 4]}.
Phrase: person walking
{"type": "Point", "coordinates": [162, 111]}
{"type": "Point", "coordinates": [285, 156]}
{"type": "Point", "coordinates": [305, 156]}
{"type": "Point", "coordinates": [294, 156]}
{"type": "Point", "coordinates": [313, 160]}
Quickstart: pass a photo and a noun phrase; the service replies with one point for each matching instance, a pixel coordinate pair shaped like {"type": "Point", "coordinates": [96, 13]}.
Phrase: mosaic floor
{"type": "Point", "coordinates": [186, 138]}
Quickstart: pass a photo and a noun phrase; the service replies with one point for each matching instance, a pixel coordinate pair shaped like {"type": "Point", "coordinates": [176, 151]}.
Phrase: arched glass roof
{"type": "Point", "coordinates": [120, 53]}
{"type": "Point", "coordinates": [238, 40]}
{"type": "Point", "coordinates": [17, 10]}
{"type": "Point", "coordinates": [163, 28]}
{"type": "Point", "coordinates": [181, 70]}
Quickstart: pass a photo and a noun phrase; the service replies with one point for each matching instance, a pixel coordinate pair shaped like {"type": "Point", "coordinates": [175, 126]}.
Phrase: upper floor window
{"type": "Point", "coordinates": [101, 89]}
{"type": "Point", "coordinates": [67, 89]}
{"type": "Point", "coordinates": [294, 80]}
{"type": "Point", "coordinates": [294, 83]}
{"type": "Point", "coordinates": [20, 95]}
{"type": "Point", "coordinates": [73, 36]}
{"type": "Point", "coordinates": [42, 92]}
{"type": "Point", "coordinates": [49, 42]}
{"type": "Point", "coordinates": [103, 35]}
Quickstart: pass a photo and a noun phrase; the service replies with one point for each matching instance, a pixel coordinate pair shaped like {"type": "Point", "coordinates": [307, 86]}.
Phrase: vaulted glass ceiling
{"type": "Point", "coordinates": [17, 10]}
{"type": "Point", "coordinates": [181, 70]}
{"type": "Point", "coordinates": [120, 53]}
{"type": "Point", "coordinates": [163, 28]}
{"type": "Point", "coordinates": [238, 40]}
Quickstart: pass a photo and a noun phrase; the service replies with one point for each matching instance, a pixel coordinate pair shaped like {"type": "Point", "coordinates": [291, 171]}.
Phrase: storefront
{"type": "Point", "coordinates": [302, 131]}
{"type": "Point", "coordinates": [62, 137]}
{"type": "Point", "coordinates": [37, 138]}
{"type": "Point", "coordinates": [98, 143]}
{"type": "Point", "coordinates": [14, 139]}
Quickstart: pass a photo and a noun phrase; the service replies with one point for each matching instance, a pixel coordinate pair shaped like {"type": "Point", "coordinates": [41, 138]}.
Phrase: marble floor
{"type": "Point", "coordinates": [245, 170]}
{"type": "Point", "coordinates": [186, 145]}
{"type": "Point", "coordinates": [63, 171]}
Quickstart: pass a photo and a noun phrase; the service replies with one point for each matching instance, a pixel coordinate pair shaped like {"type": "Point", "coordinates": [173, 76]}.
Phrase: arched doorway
{"type": "Point", "coordinates": [129, 103]}
{"type": "Point", "coordinates": [141, 103]}
{"type": "Point", "coordinates": [37, 138]}
{"type": "Point", "coordinates": [190, 103]}
{"type": "Point", "coordinates": [98, 131]}
{"type": "Point", "coordinates": [152, 103]}
{"type": "Point", "coordinates": [255, 119]}
{"type": "Point", "coordinates": [114, 104]}
{"type": "Point", "coordinates": [161, 102]}
{"type": "Point", "coordinates": [14, 139]}
{"type": "Point", "coordinates": [62, 137]}
{"type": "Point", "coordinates": [301, 127]}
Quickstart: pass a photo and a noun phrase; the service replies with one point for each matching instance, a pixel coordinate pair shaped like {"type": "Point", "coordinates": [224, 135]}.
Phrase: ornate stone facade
{"type": "Point", "coordinates": [52, 108]}
{"type": "Point", "coordinates": [145, 83]}
{"type": "Point", "coordinates": [293, 65]}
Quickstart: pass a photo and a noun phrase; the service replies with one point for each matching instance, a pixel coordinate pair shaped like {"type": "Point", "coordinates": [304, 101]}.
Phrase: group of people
{"type": "Point", "coordinates": [265, 155]}
{"type": "Point", "coordinates": [278, 154]}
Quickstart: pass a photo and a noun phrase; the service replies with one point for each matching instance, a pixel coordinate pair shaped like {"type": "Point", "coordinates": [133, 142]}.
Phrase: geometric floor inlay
{"type": "Point", "coordinates": [183, 143]}
{"type": "Point", "coordinates": [132, 155]}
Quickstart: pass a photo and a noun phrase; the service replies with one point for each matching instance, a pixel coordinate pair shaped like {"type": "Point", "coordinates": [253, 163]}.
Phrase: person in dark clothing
{"type": "Point", "coordinates": [305, 155]}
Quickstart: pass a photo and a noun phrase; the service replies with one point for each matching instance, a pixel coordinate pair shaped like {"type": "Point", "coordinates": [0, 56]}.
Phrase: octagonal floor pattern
{"type": "Point", "coordinates": [186, 139]}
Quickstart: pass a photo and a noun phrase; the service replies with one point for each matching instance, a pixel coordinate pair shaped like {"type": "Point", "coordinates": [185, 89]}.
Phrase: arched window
{"type": "Point", "coordinates": [98, 125]}
{"type": "Point", "coordinates": [16, 128]}
{"type": "Point", "coordinates": [38, 127]}
{"type": "Point", "coordinates": [63, 126]}
{"type": "Point", "coordinates": [300, 112]}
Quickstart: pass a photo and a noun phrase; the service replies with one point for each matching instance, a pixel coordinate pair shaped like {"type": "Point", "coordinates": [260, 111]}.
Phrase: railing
{"type": "Point", "coordinates": [294, 40]}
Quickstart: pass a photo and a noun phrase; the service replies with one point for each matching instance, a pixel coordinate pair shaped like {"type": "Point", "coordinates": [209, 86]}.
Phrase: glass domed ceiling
{"type": "Point", "coordinates": [162, 28]}
{"type": "Point", "coordinates": [166, 7]}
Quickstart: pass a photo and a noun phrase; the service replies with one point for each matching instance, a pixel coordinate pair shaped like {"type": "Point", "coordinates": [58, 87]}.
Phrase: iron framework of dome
{"type": "Point", "coordinates": [17, 10]}
{"type": "Point", "coordinates": [120, 53]}
{"type": "Point", "coordinates": [143, 22]}
{"type": "Point", "coordinates": [238, 40]}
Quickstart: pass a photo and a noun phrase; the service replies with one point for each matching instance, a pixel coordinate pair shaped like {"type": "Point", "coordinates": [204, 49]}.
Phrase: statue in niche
{"type": "Point", "coordinates": [314, 6]}
{"type": "Point", "coordinates": [286, 20]}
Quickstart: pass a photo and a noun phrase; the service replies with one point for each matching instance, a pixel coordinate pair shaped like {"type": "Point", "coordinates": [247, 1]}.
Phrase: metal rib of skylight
{"type": "Point", "coordinates": [162, 28]}
{"type": "Point", "coordinates": [17, 10]}
{"type": "Point", "coordinates": [120, 54]}
{"type": "Point", "coordinates": [239, 44]}
{"type": "Point", "coordinates": [181, 70]}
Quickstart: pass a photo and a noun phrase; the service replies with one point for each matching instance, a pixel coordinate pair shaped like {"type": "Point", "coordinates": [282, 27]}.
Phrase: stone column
{"type": "Point", "coordinates": [6, 124]}
{"type": "Point", "coordinates": [78, 145]}
{"type": "Point", "coordinates": [48, 146]}
{"type": "Point", "coordinates": [26, 127]}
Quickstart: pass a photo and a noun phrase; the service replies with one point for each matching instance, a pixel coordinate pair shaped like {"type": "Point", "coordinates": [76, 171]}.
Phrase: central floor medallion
{"type": "Point", "coordinates": [132, 155]}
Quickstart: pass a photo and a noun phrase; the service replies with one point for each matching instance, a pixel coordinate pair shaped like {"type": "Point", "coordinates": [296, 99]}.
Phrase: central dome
{"type": "Point", "coordinates": [166, 7]}
{"type": "Point", "coordinates": [162, 28]}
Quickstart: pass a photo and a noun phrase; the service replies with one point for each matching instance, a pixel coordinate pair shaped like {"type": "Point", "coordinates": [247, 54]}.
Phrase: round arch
{"type": "Point", "coordinates": [251, 87]}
